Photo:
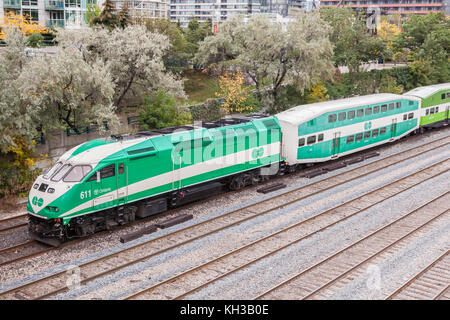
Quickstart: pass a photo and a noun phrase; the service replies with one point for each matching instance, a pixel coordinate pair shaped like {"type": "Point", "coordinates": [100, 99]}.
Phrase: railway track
{"type": "Point", "coordinates": [45, 287]}
{"type": "Point", "coordinates": [245, 256]}
{"type": "Point", "coordinates": [311, 283]}
{"type": "Point", "coordinates": [27, 249]}
{"type": "Point", "coordinates": [19, 221]}
{"type": "Point", "coordinates": [13, 223]}
{"type": "Point", "coordinates": [430, 283]}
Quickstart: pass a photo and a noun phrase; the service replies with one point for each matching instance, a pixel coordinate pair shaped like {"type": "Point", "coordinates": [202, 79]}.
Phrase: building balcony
{"type": "Point", "coordinates": [55, 23]}
{"type": "Point", "coordinates": [11, 4]}
{"type": "Point", "coordinates": [54, 5]}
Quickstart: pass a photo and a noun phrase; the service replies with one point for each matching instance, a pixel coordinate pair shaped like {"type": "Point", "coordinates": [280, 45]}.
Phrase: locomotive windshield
{"type": "Point", "coordinates": [77, 173]}
{"type": "Point", "coordinates": [61, 173]}
{"type": "Point", "coordinates": [52, 170]}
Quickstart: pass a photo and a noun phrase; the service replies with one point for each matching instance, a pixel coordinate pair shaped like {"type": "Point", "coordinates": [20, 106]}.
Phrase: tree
{"type": "Point", "coordinates": [133, 56]}
{"type": "Point", "coordinates": [66, 91]}
{"type": "Point", "coordinates": [353, 44]}
{"type": "Point", "coordinates": [301, 54]}
{"type": "Point", "coordinates": [388, 32]}
{"type": "Point", "coordinates": [17, 119]}
{"type": "Point", "coordinates": [160, 111]}
{"type": "Point", "coordinates": [108, 17]}
{"type": "Point", "coordinates": [124, 15]}
{"type": "Point", "coordinates": [234, 92]}
{"type": "Point", "coordinates": [195, 33]}
{"type": "Point", "coordinates": [93, 10]}
{"type": "Point", "coordinates": [20, 22]}
{"type": "Point", "coordinates": [388, 84]}
{"type": "Point", "coordinates": [177, 57]}
{"type": "Point", "coordinates": [318, 93]}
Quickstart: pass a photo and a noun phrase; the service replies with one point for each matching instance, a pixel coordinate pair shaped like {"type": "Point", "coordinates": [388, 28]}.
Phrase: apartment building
{"type": "Point", "coordinates": [183, 11]}
{"type": "Point", "coordinates": [144, 8]}
{"type": "Point", "coordinates": [402, 7]}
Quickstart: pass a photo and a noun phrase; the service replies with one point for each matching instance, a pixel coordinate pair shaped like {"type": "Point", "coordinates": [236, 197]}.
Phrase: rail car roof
{"type": "Point", "coordinates": [426, 91]}
{"type": "Point", "coordinates": [307, 112]}
{"type": "Point", "coordinates": [95, 150]}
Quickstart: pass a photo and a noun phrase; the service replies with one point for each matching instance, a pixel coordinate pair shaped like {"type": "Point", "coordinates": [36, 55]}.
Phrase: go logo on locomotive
{"type": "Point", "coordinates": [39, 202]}
{"type": "Point", "coordinates": [257, 153]}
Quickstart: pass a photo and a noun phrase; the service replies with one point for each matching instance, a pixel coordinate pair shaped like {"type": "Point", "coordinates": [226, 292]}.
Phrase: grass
{"type": "Point", "coordinates": [199, 87]}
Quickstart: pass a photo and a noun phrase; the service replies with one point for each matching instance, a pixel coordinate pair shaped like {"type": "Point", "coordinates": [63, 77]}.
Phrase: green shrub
{"type": "Point", "coordinates": [34, 40]}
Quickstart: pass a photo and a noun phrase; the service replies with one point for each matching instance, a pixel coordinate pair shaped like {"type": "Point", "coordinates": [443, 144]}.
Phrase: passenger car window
{"type": "Point", "coordinates": [366, 134]}
{"type": "Point", "coordinates": [311, 140]}
{"type": "Point", "coordinates": [350, 139]}
{"type": "Point", "coordinates": [376, 109]}
{"type": "Point", "coordinates": [342, 116]}
{"type": "Point", "coordinates": [405, 116]}
{"type": "Point", "coordinates": [391, 106]}
{"type": "Point", "coordinates": [382, 130]}
{"type": "Point", "coordinates": [368, 111]}
{"type": "Point", "coordinates": [360, 113]}
{"type": "Point", "coordinates": [384, 108]}
{"type": "Point", "coordinates": [320, 137]}
{"type": "Point", "coordinates": [351, 114]}
{"type": "Point", "coordinates": [332, 118]}
{"type": "Point", "coordinates": [398, 105]}
{"type": "Point", "coordinates": [432, 111]}
{"type": "Point", "coordinates": [358, 136]}
{"type": "Point", "coordinates": [411, 115]}
{"type": "Point", "coordinates": [427, 112]}
{"type": "Point", "coordinates": [443, 96]}
{"type": "Point", "coordinates": [301, 142]}
{"type": "Point", "coordinates": [374, 132]}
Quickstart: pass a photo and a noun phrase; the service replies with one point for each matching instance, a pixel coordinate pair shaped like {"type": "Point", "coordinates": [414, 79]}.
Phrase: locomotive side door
{"type": "Point", "coordinates": [122, 182]}
{"type": "Point", "coordinates": [335, 145]}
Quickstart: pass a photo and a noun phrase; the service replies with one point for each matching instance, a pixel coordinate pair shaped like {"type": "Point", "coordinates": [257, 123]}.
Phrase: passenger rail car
{"type": "Point", "coordinates": [327, 130]}
{"type": "Point", "coordinates": [435, 106]}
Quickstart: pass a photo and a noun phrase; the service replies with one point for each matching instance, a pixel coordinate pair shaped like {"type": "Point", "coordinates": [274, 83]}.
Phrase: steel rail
{"type": "Point", "coordinates": [121, 266]}
{"type": "Point", "coordinates": [298, 275]}
{"type": "Point", "coordinates": [274, 234]}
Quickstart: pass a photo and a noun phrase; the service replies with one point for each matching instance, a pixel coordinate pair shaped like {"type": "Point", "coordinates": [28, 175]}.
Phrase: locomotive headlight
{"type": "Point", "coordinates": [50, 190]}
{"type": "Point", "coordinates": [36, 185]}
{"type": "Point", "coordinates": [55, 209]}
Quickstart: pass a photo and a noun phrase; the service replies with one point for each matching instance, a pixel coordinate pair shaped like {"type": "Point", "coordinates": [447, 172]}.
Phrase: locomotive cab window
{"type": "Point", "coordinates": [332, 118]}
{"type": "Point", "coordinates": [301, 142]}
{"type": "Point", "coordinates": [121, 168]}
{"type": "Point", "coordinates": [106, 172]}
{"type": "Point", "coordinates": [311, 140]}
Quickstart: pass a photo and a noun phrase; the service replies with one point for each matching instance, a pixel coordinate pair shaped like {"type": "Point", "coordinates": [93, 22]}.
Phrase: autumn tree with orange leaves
{"type": "Point", "coordinates": [235, 93]}
{"type": "Point", "coordinates": [23, 23]}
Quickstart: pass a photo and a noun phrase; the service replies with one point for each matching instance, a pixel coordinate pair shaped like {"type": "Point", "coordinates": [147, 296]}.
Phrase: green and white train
{"type": "Point", "coordinates": [112, 181]}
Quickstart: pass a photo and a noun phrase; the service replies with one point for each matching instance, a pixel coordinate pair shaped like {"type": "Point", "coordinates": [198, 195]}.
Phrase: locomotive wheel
{"type": "Point", "coordinates": [240, 181]}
